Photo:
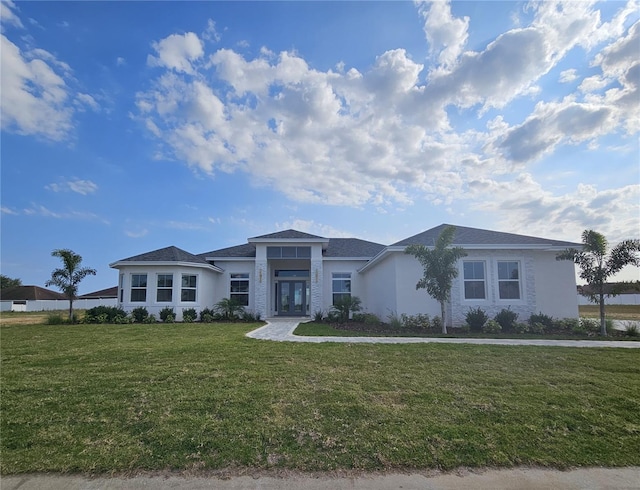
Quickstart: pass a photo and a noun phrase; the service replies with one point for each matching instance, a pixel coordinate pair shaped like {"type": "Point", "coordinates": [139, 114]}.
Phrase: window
{"type": "Point", "coordinates": [288, 252]}
{"type": "Point", "coordinates": [121, 287]}
{"type": "Point", "coordinates": [138, 288]}
{"type": "Point", "coordinates": [239, 288]}
{"type": "Point", "coordinates": [509, 279]}
{"type": "Point", "coordinates": [164, 292]}
{"type": "Point", "coordinates": [341, 285]}
{"type": "Point", "coordinates": [474, 276]}
{"type": "Point", "coordinates": [188, 293]}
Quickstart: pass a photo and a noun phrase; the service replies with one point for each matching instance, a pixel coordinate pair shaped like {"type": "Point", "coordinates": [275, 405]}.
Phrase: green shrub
{"type": "Point", "coordinates": [104, 314]}
{"type": "Point", "coordinates": [139, 314]}
{"type": "Point", "coordinates": [589, 325]}
{"type": "Point", "coordinates": [521, 327]}
{"type": "Point", "coordinates": [537, 328]}
{"type": "Point", "coordinates": [436, 324]}
{"type": "Point", "coordinates": [416, 322]}
{"type": "Point", "coordinates": [229, 309]}
{"type": "Point", "coordinates": [566, 324]}
{"type": "Point", "coordinates": [167, 315]}
{"type": "Point", "coordinates": [366, 318]}
{"type": "Point", "coordinates": [318, 316]}
{"type": "Point", "coordinates": [632, 329]}
{"type": "Point", "coordinates": [56, 319]}
{"type": "Point", "coordinates": [476, 318]}
{"type": "Point", "coordinates": [189, 315]}
{"type": "Point", "coordinates": [506, 318]}
{"type": "Point", "coordinates": [545, 320]}
{"type": "Point", "coordinates": [250, 317]}
{"type": "Point", "coordinates": [492, 326]}
{"type": "Point", "coordinates": [150, 319]}
{"type": "Point", "coordinates": [394, 320]}
{"type": "Point", "coordinates": [207, 315]}
{"type": "Point", "coordinates": [346, 305]}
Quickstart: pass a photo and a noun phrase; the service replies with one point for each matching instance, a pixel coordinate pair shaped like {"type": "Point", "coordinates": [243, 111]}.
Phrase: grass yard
{"type": "Point", "coordinates": [194, 397]}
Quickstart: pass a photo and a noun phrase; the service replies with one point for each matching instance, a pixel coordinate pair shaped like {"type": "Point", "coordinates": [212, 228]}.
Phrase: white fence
{"type": "Point", "coordinates": [621, 299]}
{"type": "Point", "coordinates": [55, 304]}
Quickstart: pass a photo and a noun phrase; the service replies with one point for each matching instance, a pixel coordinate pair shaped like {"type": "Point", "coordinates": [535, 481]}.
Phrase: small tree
{"type": "Point", "coordinates": [7, 282]}
{"type": "Point", "coordinates": [346, 305]}
{"type": "Point", "coordinates": [440, 267]}
{"type": "Point", "coordinates": [71, 274]}
{"type": "Point", "coordinates": [596, 266]}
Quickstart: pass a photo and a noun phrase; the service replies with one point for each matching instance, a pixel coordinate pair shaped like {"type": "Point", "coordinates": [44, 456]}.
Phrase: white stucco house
{"type": "Point", "coordinates": [291, 273]}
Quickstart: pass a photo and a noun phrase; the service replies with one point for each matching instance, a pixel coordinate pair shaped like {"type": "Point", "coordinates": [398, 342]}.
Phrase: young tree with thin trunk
{"type": "Point", "coordinates": [440, 268]}
{"type": "Point", "coordinates": [596, 266]}
{"type": "Point", "coordinates": [69, 276]}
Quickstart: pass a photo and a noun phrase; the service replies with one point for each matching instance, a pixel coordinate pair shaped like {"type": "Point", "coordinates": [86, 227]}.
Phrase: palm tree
{"type": "Point", "coordinates": [68, 278]}
{"type": "Point", "coordinates": [440, 268]}
{"type": "Point", "coordinates": [596, 267]}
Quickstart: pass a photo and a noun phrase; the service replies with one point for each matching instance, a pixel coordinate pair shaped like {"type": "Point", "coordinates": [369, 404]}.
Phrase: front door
{"type": "Point", "coordinates": [292, 298]}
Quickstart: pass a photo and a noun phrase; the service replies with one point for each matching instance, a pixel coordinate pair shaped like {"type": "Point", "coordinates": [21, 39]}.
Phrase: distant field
{"type": "Point", "coordinates": [615, 312]}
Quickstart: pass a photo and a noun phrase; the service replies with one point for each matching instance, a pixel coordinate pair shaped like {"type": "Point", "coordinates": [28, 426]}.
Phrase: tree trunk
{"type": "Point", "coordinates": [70, 310]}
{"type": "Point", "coordinates": [603, 324]}
{"type": "Point", "coordinates": [444, 318]}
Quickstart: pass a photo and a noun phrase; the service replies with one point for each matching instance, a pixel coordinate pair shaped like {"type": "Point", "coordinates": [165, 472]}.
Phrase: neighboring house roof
{"type": "Point", "coordinates": [287, 235]}
{"type": "Point", "coordinates": [476, 236]}
{"type": "Point", "coordinates": [103, 293]}
{"type": "Point", "coordinates": [352, 247]}
{"type": "Point", "coordinates": [613, 288]}
{"type": "Point", "coordinates": [29, 293]}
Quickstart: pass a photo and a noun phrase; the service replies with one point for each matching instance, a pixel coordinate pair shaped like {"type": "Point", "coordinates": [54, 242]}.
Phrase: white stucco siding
{"type": "Point", "coordinates": [222, 288]}
{"type": "Point", "coordinates": [379, 283]}
{"type": "Point", "coordinates": [555, 286]}
{"type": "Point", "coordinates": [205, 285]}
{"type": "Point", "coordinates": [412, 301]}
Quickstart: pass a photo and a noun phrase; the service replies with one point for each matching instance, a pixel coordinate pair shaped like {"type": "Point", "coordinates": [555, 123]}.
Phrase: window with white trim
{"type": "Point", "coordinates": [138, 288]}
{"type": "Point", "coordinates": [164, 290]}
{"type": "Point", "coordinates": [340, 285]}
{"type": "Point", "coordinates": [188, 291]}
{"type": "Point", "coordinates": [121, 284]}
{"type": "Point", "coordinates": [509, 279]}
{"type": "Point", "coordinates": [239, 288]}
{"type": "Point", "coordinates": [474, 279]}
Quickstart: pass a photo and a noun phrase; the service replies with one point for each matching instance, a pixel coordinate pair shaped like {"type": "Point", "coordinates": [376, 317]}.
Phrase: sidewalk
{"type": "Point", "coordinates": [281, 330]}
{"type": "Point", "coordinates": [511, 479]}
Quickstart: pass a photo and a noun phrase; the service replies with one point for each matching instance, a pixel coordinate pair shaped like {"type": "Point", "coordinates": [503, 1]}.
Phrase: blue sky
{"type": "Point", "coordinates": [131, 126]}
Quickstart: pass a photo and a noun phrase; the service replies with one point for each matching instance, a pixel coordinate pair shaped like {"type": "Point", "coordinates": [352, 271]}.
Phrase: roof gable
{"type": "Point", "coordinates": [475, 236]}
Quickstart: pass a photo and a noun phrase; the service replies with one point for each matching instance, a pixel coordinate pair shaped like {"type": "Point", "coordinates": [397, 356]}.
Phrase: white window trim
{"type": "Point", "coordinates": [195, 301]}
{"type": "Point", "coordinates": [333, 279]}
{"type": "Point", "coordinates": [246, 277]}
{"type": "Point", "coordinates": [131, 288]}
{"type": "Point", "coordinates": [521, 280]}
{"type": "Point", "coordinates": [487, 286]}
{"type": "Point", "coordinates": [158, 288]}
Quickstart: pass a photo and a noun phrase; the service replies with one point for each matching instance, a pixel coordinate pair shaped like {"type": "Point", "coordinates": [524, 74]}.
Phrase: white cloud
{"type": "Point", "coordinates": [177, 52]}
{"type": "Point", "coordinates": [314, 228]}
{"type": "Point", "coordinates": [568, 76]}
{"type": "Point", "coordinates": [136, 234]}
{"type": "Point", "coordinates": [79, 186]}
{"type": "Point", "coordinates": [7, 14]}
{"type": "Point", "coordinates": [120, 61]}
{"type": "Point", "coordinates": [211, 33]}
{"type": "Point", "coordinates": [445, 34]}
{"type": "Point", "coordinates": [86, 100]}
{"type": "Point", "coordinates": [6, 210]}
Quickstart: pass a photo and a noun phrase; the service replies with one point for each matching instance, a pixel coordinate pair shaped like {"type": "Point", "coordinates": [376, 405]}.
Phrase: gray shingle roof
{"type": "Point", "coordinates": [246, 250]}
{"type": "Point", "coordinates": [111, 292]}
{"type": "Point", "coordinates": [22, 293]}
{"type": "Point", "coordinates": [476, 236]}
{"type": "Point", "coordinates": [288, 234]}
{"type": "Point", "coordinates": [167, 254]}
{"type": "Point", "coordinates": [352, 247]}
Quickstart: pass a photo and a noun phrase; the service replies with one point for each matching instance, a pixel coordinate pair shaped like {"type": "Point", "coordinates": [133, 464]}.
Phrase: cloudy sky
{"type": "Point", "coordinates": [128, 127]}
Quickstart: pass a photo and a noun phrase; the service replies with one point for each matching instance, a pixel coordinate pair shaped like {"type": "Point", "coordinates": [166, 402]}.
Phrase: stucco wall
{"type": "Point", "coordinates": [555, 286]}
{"type": "Point", "coordinates": [205, 286]}
{"type": "Point", "coordinates": [346, 266]}
{"type": "Point", "coordinates": [379, 288]}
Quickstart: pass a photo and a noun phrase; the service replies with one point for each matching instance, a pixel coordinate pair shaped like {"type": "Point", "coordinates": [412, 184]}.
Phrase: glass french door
{"type": "Point", "coordinates": [292, 298]}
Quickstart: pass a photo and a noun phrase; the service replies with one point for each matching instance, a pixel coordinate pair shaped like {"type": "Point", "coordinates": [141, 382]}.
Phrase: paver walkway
{"type": "Point", "coordinates": [281, 330]}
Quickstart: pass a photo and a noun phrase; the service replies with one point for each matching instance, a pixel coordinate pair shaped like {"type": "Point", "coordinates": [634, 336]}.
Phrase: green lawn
{"type": "Point", "coordinates": [94, 398]}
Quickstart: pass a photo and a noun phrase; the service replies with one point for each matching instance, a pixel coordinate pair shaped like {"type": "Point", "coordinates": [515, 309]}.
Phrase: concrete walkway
{"type": "Point", "coordinates": [281, 330]}
{"type": "Point", "coordinates": [509, 479]}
